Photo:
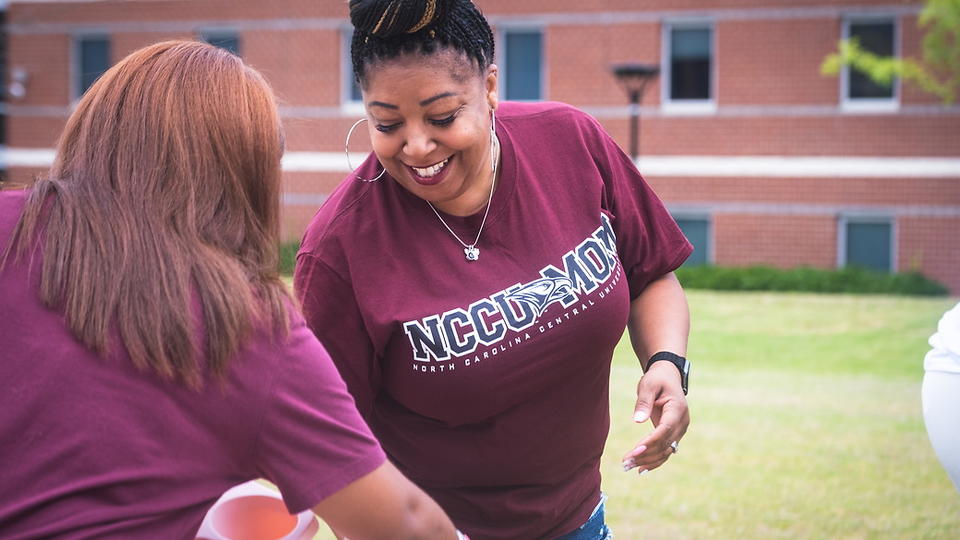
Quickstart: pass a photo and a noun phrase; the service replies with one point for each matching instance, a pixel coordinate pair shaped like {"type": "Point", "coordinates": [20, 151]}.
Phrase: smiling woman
{"type": "Point", "coordinates": [431, 128]}
{"type": "Point", "coordinates": [472, 297]}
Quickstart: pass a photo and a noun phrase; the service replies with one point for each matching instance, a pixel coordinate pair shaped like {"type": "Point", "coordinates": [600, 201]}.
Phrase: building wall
{"type": "Point", "coordinates": [775, 240]}
{"type": "Point", "coordinates": [770, 102]}
{"type": "Point", "coordinates": [931, 246]}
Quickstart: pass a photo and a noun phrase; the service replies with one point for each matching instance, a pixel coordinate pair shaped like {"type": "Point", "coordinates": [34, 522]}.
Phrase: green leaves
{"type": "Point", "coordinates": [938, 73]}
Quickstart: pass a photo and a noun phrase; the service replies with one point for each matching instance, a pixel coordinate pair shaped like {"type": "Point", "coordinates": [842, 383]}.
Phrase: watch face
{"type": "Point", "coordinates": [686, 375]}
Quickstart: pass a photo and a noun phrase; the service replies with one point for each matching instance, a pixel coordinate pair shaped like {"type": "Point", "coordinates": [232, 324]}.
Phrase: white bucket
{"type": "Point", "coordinates": [252, 511]}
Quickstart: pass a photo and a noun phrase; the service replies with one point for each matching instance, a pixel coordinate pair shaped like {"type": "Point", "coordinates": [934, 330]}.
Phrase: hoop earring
{"type": "Point", "coordinates": [346, 150]}
{"type": "Point", "coordinates": [493, 141]}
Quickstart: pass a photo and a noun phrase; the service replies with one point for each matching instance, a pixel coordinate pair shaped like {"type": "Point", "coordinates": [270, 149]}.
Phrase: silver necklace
{"type": "Point", "coordinates": [471, 251]}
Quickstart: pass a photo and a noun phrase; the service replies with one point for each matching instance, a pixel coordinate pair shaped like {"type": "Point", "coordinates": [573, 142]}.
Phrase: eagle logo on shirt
{"type": "Point", "coordinates": [541, 293]}
{"type": "Point", "coordinates": [485, 322]}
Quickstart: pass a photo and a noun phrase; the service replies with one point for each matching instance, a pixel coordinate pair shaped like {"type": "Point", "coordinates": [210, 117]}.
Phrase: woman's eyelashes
{"type": "Point", "coordinates": [387, 128]}
{"type": "Point", "coordinates": [440, 122]}
{"type": "Point", "coordinates": [444, 122]}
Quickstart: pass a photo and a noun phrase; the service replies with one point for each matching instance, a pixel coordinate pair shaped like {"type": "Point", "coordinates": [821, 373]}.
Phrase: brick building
{"type": "Point", "coordinates": [759, 157]}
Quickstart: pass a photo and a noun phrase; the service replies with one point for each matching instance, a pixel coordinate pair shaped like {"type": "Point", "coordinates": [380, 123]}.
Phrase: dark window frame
{"type": "Point", "coordinates": [77, 86]}
{"type": "Point", "coordinates": [5, 94]}
{"type": "Point", "coordinates": [350, 96]}
{"type": "Point", "coordinates": [710, 251]}
{"type": "Point", "coordinates": [214, 36]}
{"type": "Point", "coordinates": [890, 103]}
{"type": "Point", "coordinates": [502, 62]}
{"type": "Point", "coordinates": [666, 62]}
{"type": "Point", "coordinates": [844, 222]}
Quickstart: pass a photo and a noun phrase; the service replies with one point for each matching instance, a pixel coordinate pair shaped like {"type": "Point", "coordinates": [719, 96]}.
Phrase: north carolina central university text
{"type": "Point", "coordinates": [460, 331]}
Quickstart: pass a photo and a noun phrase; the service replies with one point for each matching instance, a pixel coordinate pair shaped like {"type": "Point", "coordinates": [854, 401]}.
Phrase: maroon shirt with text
{"type": "Point", "coordinates": [487, 381]}
{"type": "Point", "coordinates": [92, 447]}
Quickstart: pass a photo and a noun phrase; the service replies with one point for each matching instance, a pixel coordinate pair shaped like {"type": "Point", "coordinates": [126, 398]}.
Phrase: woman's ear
{"type": "Point", "coordinates": [491, 85]}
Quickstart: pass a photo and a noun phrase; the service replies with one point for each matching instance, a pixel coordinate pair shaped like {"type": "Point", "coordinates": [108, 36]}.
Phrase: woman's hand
{"type": "Point", "coordinates": [659, 398]}
{"type": "Point", "coordinates": [659, 321]}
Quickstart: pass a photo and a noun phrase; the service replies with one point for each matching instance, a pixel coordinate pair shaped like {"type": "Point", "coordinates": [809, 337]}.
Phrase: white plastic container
{"type": "Point", "coordinates": [252, 511]}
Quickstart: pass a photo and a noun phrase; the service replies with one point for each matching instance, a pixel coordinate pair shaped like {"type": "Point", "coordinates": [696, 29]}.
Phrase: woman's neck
{"type": "Point", "coordinates": [475, 200]}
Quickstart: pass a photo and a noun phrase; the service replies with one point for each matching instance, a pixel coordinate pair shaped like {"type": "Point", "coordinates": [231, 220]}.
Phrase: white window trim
{"type": "Point", "coordinates": [500, 56]}
{"type": "Point", "coordinates": [74, 56]}
{"type": "Point", "coordinates": [846, 218]}
{"type": "Point", "coordinates": [859, 105]}
{"type": "Point", "coordinates": [348, 105]}
{"type": "Point", "coordinates": [711, 229]}
{"type": "Point", "coordinates": [687, 106]}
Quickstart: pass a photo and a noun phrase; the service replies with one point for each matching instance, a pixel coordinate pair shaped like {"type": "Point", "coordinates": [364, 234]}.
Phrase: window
{"type": "Point", "coordinates": [689, 63]}
{"type": "Point", "coordinates": [879, 37]}
{"type": "Point", "coordinates": [10, 90]}
{"type": "Point", "coordinates": [521, 63]}
{"type": "Point", "coordinates": [92, 59]}
{"type": "Point", "coordinates": [697, 231]}
{"type": "Point", "coordinates": [867, 242]}
{"type": "Point", "coordinates": [222, 38]}
{"type": "Point", "coordinates": [350, 89]}
{"type": "Point", "coordinates": [355, 93]}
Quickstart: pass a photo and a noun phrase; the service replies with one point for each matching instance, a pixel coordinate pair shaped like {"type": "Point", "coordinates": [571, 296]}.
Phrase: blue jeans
{"type": "Point", "coordinates": [594, 529]}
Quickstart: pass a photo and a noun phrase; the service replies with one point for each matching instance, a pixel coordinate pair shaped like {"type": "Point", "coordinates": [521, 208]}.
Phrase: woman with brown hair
{"type": "Point", "coordinates": [150, 356]}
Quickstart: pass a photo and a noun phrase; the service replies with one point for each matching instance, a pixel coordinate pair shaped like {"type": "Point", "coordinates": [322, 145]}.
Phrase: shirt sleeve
{"type": "Point", "coordinates": [649, 241]}
{"type": "Point", "coordinates": [312, 441]}
{"type": "Point", "coordinates": [331, 311]}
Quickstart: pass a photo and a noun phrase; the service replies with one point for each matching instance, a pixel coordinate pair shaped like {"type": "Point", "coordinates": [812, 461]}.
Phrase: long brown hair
{"type": "Point", "coordinates": [162, 204]}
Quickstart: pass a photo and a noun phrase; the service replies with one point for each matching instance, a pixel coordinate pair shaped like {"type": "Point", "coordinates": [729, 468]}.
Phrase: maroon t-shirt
{"type": "Point", "coordinates": [487, 381]}
{"type": "Point", "coordinates": [91, 447]}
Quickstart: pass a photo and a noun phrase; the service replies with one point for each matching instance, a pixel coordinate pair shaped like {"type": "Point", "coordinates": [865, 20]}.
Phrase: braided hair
{"type": "Point", "coordinates": [385, 29]}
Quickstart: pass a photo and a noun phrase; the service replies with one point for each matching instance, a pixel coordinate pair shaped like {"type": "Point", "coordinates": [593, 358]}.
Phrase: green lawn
{"type": "Point", "coordinates": [806, 424]}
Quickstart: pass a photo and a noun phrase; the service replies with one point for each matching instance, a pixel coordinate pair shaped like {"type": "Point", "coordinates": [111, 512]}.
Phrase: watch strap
{"type": "Point", "coordinates": [682, 364]}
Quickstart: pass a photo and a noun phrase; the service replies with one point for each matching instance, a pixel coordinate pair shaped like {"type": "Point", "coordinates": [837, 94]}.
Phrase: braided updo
{"type": "Point", "coordinates": [385, 29]}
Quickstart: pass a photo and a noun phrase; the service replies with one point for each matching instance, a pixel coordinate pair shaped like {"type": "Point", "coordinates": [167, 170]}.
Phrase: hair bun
{"type": "Point", "coordinates": [390, 18]}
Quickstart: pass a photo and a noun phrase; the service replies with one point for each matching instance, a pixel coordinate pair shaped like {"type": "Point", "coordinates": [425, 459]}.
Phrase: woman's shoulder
{"type": "Point", "coordinates": [544, 111]}
{"type": "Point", "coordinates": [550, 120]}
{"type": "Point", "coordinates": [944, 354]}
{"type": "Point", "coordinates": [338, 213]}
{"type": "Point", "coordinates": [12, 199]}
{"type": "Point", "coordinates": [949, 331]}
{"type": "Point", "coordinates": [12, 203]}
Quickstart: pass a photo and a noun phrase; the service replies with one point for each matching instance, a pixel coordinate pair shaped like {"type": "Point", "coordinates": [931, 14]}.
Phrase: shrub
{"type": "Point", "coordinates": [288, 257]}
{"type": "Point", "coordinates": [805, 279]}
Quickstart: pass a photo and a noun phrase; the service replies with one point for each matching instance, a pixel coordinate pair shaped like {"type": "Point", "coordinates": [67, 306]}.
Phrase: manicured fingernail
{"type": "Point", "coordinates": [640, 416]}
{"type": "Point", "coordinates": [628, 464]}
{"type": "Point", "coordinates": [643, 472]}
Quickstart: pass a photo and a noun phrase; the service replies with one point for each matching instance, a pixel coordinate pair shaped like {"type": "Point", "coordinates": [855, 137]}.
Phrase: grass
{"type": "Point", "coordinates": [806, 424]}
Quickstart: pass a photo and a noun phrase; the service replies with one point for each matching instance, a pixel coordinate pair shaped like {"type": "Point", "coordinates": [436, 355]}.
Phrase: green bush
{"type": "Point", "coordinates": [764, 278]}
{"type": "Point", "coordinates": [288, 257]}
{"type": "Point", "coordinates": [805, 279]}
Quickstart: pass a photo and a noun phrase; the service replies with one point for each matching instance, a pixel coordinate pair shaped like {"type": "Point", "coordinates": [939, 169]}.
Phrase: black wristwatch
{"type": "Point", "coordinates": [682, 364]}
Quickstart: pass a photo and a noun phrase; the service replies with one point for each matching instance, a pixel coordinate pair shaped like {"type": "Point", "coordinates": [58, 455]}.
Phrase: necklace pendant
{"type": "Point", "coordinates": [472, 253]}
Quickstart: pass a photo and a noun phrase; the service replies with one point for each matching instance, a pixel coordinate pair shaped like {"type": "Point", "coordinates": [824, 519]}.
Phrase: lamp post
{"type": "Point", "coordinates": [634, 78]}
